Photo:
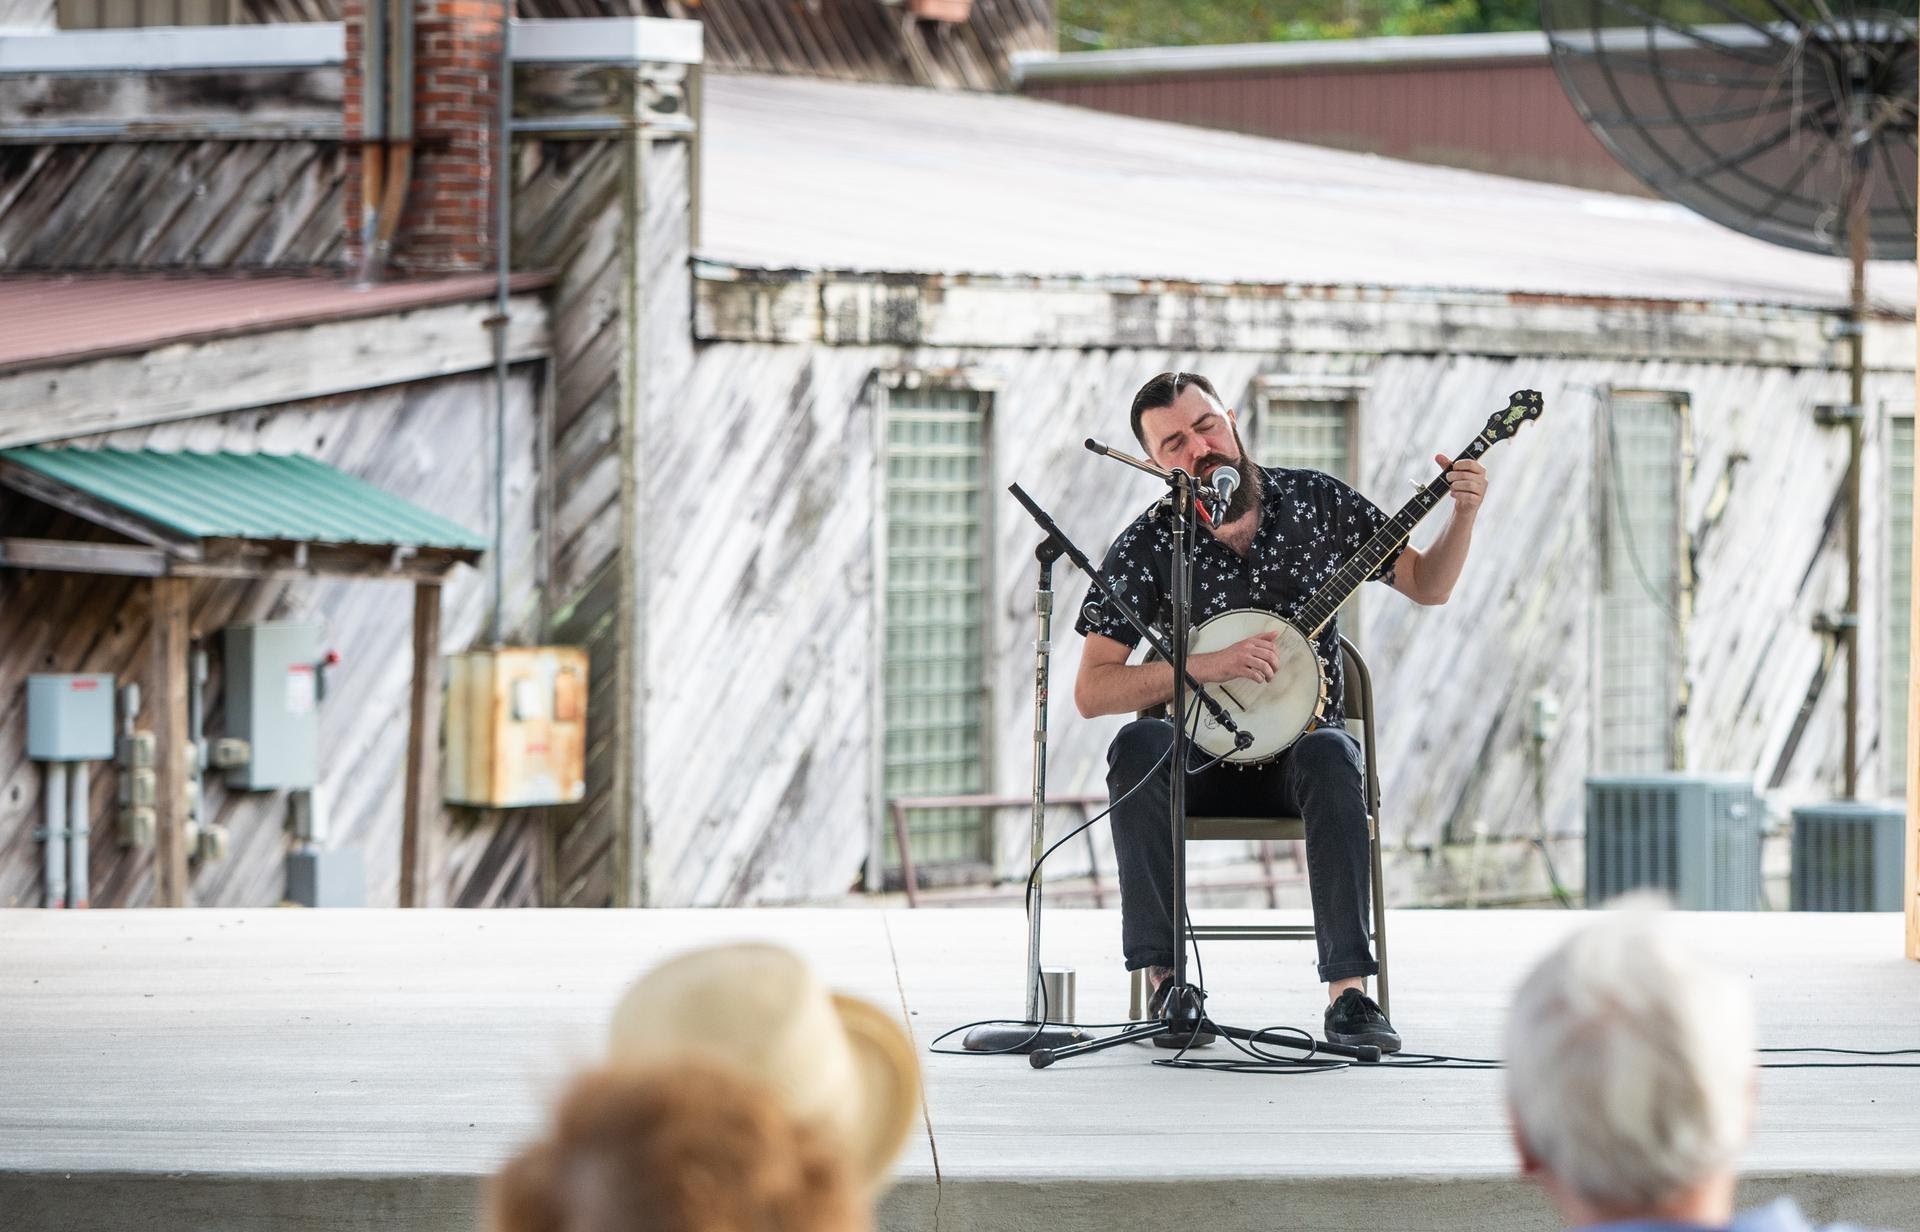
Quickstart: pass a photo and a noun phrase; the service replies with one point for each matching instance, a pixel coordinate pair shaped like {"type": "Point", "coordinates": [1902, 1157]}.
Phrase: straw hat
{"type": "Point", "coordinates": [833, 1059]}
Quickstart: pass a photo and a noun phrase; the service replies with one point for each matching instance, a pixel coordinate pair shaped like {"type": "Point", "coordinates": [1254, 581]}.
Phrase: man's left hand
{"type": "Point", "coordinates": [1468, 481]}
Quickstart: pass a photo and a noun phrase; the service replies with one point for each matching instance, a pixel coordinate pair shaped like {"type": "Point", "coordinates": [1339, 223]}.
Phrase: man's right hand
{"type": "Point", "coordinates": [1253, 658]}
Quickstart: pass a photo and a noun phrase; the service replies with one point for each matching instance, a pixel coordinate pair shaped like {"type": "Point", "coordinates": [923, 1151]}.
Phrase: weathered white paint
{"type": "Point", "coordinates": [171, 48]}
{"type": "Point", "coordinates": [935, 310]}
{"type": "Point", "coordinates": [608, 40]}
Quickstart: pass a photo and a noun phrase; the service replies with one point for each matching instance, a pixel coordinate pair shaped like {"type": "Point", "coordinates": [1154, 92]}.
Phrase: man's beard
{"type": "Point", "coordinates": [1246, 497]}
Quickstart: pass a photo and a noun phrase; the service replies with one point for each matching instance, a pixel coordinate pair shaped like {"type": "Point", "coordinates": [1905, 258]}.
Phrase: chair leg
{"type": "Point", "coordinates": [1379, 917]}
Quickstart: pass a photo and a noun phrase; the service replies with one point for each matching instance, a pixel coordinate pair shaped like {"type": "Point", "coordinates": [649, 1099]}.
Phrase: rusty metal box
{"type": "Point", "coordinates": [516, 731]}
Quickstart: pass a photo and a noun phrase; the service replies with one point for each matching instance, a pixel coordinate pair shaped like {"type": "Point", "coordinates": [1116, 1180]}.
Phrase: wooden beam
{"type": "Point", "coordinates": [187, 380]}
{"type": "Point", "coordinates": [166, 708]}
{"type": "Point", "coordinates": [423, 750]}
{"type": "Point", "coordinates": [179, 105]}
{"type": "Point", "coordinates": [73, 556]}
{"type": "Point", "coordinates": [1913, 753]}
{"type": "Point", "coordinates": [932, 310]}
{"type": "Point", "coordinates": [346, 564]}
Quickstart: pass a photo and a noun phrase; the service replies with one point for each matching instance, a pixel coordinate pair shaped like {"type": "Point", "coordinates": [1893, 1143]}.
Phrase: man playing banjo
{"type": "Point", "coordinates": [1283, 534]}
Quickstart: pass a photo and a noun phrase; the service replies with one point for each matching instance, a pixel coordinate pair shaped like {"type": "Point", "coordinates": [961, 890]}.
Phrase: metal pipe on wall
{"type": "Point", "coordinates": [398, 182]}
{"type": "Point", "coordinates": [79, 805]}
{"type": "Point", "coordinates": [54, 809]}
{"type": "Point", "coordinates": [373, 131]}
{"type": "Point", "coordinates": [503, 253]}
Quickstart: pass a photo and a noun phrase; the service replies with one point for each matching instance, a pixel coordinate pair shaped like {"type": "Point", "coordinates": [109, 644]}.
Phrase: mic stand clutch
{"type": "Point", "coordinates": [1183, 1015]}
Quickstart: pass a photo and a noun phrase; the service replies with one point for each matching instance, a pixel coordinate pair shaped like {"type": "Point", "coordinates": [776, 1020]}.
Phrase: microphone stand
{"type": "Point", "coordinates": [1035, 1031]}
{"type": "Point", "coordinates": [1183, 1014]}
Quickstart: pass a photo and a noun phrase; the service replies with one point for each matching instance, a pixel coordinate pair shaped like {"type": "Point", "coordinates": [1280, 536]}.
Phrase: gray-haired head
{"type": "Point", "coordinates": [1630, 1062]}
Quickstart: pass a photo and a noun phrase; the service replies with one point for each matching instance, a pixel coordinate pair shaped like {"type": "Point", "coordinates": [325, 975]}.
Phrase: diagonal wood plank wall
{"type": "Point", "coordinates": [192, 204]}
{"type": "Point", "coordinates": [568, 201]}
{"type": "Point", "coordinates": [760, 622]}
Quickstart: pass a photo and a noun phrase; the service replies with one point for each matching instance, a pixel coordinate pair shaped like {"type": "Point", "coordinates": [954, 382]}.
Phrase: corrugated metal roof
{"type": "Point", "coordinates": [816, 175]}
{"type": "Point", "coordinates": [262, 496]}
{"type": "Point", "coordinates": [63, 318]}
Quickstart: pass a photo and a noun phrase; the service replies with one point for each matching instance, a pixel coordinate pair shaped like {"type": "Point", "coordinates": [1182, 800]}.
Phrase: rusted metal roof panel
{"type": "Point", "coordinates": [65, 318]}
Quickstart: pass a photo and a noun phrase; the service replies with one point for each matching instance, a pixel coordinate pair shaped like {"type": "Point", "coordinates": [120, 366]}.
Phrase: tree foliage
{"type": "Point", "coordinates": [1090, 24]}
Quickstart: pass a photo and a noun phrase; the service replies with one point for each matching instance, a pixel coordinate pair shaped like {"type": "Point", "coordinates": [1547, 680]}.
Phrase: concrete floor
{"type": "Point", "coordinates": [302, 1070]}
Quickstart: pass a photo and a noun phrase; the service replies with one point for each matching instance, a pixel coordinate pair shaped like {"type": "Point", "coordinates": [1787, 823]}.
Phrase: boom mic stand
{"type": "Point", "coordinates": [1034, 1032]}
{"type": "Point", "coordinates": [1183, 1013]}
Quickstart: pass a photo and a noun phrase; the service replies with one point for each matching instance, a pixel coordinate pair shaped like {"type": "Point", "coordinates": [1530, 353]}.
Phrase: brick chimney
{"type": "Point", "coordinates": [434, 153]}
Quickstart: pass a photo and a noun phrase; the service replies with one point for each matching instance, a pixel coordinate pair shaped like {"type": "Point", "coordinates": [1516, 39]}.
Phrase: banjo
{"type": "Point", "coordinates": [1293, 702]}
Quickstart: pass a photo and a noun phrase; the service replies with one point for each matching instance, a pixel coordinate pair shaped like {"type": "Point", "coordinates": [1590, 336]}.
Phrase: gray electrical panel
{"type": "Point", "coordinates": [326, 878]}
{"type": "Point", "coordinates": [70, 718]}
{"type": "Point", "coordinates": [273, 703]}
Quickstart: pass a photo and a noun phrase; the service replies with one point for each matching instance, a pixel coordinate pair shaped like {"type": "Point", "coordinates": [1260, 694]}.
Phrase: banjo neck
{"type": "Point", "coordinates": [1320, 608]}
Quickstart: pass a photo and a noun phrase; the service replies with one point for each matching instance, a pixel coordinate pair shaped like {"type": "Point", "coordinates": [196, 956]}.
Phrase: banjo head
{"type": "Point", "coordinates": [1277, 712]}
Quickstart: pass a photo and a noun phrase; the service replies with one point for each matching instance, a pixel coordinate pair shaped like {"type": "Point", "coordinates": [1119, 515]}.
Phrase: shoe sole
{"type": "Point", "coordinates": [1385, 1043]}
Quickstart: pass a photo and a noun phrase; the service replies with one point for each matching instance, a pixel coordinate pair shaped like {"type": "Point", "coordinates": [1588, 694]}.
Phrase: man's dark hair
{"type": "Point", "coordinates": [1162, 391]}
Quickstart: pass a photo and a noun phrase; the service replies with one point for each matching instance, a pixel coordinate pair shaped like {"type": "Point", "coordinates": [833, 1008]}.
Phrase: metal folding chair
{"type": "Point", "coordinates": [1364, 725]}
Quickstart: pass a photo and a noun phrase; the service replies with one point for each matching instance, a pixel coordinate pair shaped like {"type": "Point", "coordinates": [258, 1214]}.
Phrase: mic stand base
{"type": "Point", "coordinates": [1028, 1037]}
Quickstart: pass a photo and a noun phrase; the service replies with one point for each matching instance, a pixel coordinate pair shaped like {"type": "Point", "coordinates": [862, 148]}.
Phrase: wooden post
{"type": "Point", "coordinates": [1913, 759]}
{"type": "Point", "coordinates": [167, 708]}
{"type": "Point", "coordinates": [423, 749]}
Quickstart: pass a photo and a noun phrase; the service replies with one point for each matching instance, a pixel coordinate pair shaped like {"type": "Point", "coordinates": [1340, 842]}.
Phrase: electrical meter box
{"type": "Point", "coordinates": [517, 726]}
{"type": "Point", "coordinates": [273, 703]}
{"type": "Point", "coordinates": [70, 718]}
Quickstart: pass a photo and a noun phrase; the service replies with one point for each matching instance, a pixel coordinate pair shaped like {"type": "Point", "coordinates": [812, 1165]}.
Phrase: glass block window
{"type": "Point", "coordinates": [1899, 591]}
{"type": "Point", "coordinates": [1316, 432]}
{"type": "Point", "coordinates": [96, 14]}
{"type": "Point", "coordinates": [1309, 432]}
{"type": "Point", "coordinates": [934, 700]}
{"type": "Point", "coordinates": [1643, 582]}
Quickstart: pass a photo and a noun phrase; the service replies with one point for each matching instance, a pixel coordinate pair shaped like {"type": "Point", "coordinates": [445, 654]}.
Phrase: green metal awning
{"type": "Point", "coordinates": [278, 498]}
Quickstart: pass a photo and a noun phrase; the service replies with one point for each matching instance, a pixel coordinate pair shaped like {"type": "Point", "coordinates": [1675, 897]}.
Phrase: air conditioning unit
{"type": "Point", "coordinates": [1847, 856]}
{"type": "Point", "coordinates": [1695, 837]}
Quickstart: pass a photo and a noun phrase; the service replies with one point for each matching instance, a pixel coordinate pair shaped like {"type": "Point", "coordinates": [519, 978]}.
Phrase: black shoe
{"type": "Point", "coordinates": [1194, 1039]}
{"type": "Point", "coordinates": [1356, 1019]}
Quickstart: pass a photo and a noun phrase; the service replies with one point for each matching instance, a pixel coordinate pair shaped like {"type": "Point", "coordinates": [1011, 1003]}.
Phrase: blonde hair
{"type": "Point", "coordinates": [683, 1148]}
{"type": "Point", "coordinates": [1630, 1061]}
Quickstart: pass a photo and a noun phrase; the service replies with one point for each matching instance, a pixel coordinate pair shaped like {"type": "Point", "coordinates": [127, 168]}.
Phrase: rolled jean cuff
{"type": "Point", "coordinates": [1329, 972]}
{"type": "Point", "coordinates": [1151, 960]}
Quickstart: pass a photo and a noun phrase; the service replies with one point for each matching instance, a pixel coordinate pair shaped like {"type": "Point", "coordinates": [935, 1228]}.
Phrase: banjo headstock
{"type": "Point", "coordinates": [1524, 406]}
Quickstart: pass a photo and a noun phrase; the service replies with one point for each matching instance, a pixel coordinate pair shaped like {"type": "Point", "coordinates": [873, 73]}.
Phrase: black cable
{"type": "Point", "coordinates": [1033, 877]}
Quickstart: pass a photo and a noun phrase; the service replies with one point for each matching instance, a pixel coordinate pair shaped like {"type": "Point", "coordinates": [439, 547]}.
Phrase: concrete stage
{"type": "Point", "coordinates": [295, 1070]}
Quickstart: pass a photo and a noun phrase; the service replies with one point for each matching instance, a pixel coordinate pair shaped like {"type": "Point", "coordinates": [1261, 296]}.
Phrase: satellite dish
{"type": "Point", "coordinates": [1790, 120]}
{"type": "Point", "coordinates": [1767, 120]}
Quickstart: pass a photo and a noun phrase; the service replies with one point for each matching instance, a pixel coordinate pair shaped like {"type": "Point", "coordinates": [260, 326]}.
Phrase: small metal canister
{"type": "Point", "coordinates": [1057, 986]}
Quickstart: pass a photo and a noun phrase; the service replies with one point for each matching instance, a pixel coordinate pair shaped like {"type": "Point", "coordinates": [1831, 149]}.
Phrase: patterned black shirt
{"type": "Point", "coordinates": [1310, 524]}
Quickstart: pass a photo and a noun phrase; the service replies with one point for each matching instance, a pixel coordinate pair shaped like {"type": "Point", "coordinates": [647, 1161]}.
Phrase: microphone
{"type": "Point", "coordinates": [1224, 480]}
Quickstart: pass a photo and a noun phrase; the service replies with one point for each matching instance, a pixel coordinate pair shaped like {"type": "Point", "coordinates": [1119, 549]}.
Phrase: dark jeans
{"type": "Point", "coordinates": [1319, 779]}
